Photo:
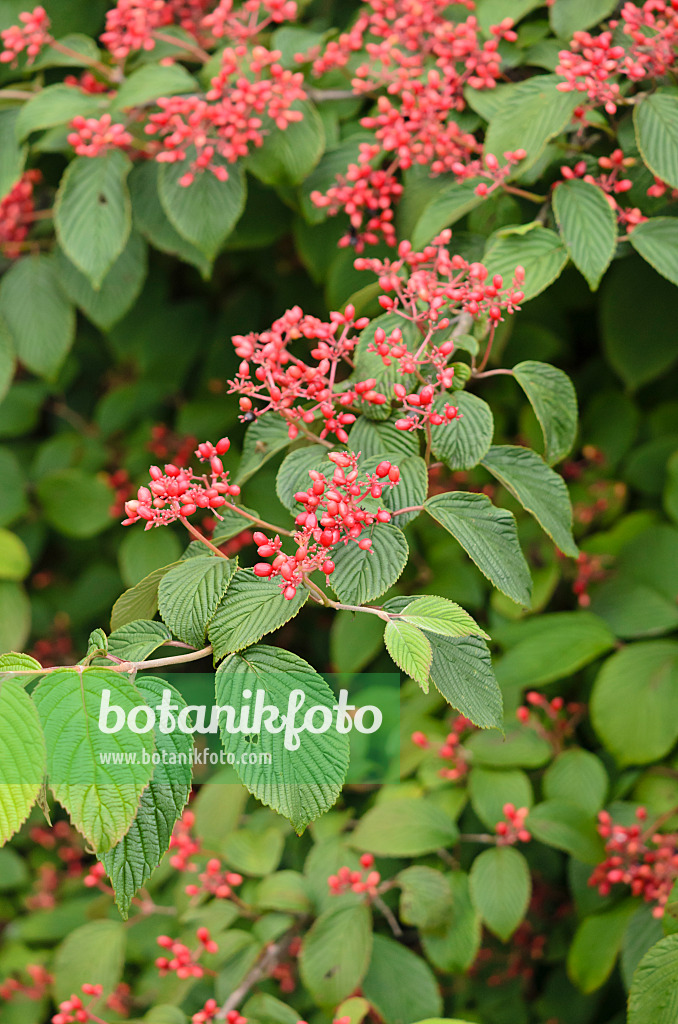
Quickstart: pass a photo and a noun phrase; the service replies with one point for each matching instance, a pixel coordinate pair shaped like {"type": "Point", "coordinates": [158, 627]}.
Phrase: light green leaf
{"type": "Point", "coordinates": [404, 828]}
{"type": "Point", "coordinates": [12, 155]}
{"type": "Point", "coordinates": [22, 755]}
{"type": "Point", "coordinates": [489, 536]}
{"type": "Point", "coordinates": [425, 897]}
{"type": "Point", "coordinates": [189, 594]}
{"type": "Point", "coordinates": [15, 562]}
{"type": "Point", "coordinates": [44, 328]}
{"type": "Point", "coordinates": [634, 702]}
{"type": "Point", "coordinates": [133, 860]}
{"type": "Point", "coordinates": [518, 748]}
{"type": "Point", "coordinates": [410, 650]}
{"type": "Point", "coordinates": [56, 105]}
{"type": "Point", "coordinates": [554, 400]}
{"type": "Point", "coordinates": [399, 984]}
{"type": "Point", "coordinates": [588, 227]}
{"type": "Point", "coordinates": [336, 953]}
{"type": "Point", "coordinates": [102, 799]}
{"type": "Point", "coordinates": [501, 886]}
{"type": "Point", "coordinates": [462, 442]}
{"type": "Point", "coordinates": [140, 601]}
{"type": "Point", "coordinates": [567, 827]}
{"type": "Point", "coordinates": [654, 992]}
{"type": "Point", "coordinates": [252, 607]}
{"type": "Point", "coordinates": [288, 157]}
{"type": "Point", "coordinates": [93, 212]}
{"type": "Point", "coordinates": [151, 81]}
{"type": "Point", "coordinates": [92, 954]}
{"type": "Point", "coordinates": [532, 114]}
{"type": "Point", "coordinates": [453, 946]}
{"type": "Point", "coordinates": [360, 576]}
{"type": "Point", "coordinates": [578, 776]}
{"type": "Point", "coordinates": [656, 240]}
{"type": "Point", "coordinates": [596, 945]}
{"type": "Point", "coordinates": [119, 289]}
{"type": "Point", "coordinates": [538, 489]}
{"type": "Point", "coordinates": [300, 784]}
{"type": "Point", "coordinates": [570, 16]}
{"type": "Point", "coordinates": [539, 250]}
{"type": "Point", "coordinates": [75, 503]}
{"type": "Point", "coordinates": [438, 615]}
{"type": "Point", "coordinates": [15, 615]}
{"type": "Point", "coordinates": [206, 211]}
{"type": "Point", "coordinates": [14, 662]}
{"type": "Point", "coordinates": [254, 853]}
{"type": "Point", "coordinates": [655, 118]}
{"type": "Point", "coordinates": [490, 790]}
{"type": "Point", "coordinates": [450, 204]}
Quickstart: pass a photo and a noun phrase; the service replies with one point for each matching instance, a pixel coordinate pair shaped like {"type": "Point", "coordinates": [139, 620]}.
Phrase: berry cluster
{"type": "Point", "coordinates": [366, 881]}
{"type": "Point", "coordinates": [179, 493]}
{"type": "Point", "coordinates": [642, 858]}
{"type": "Point", "coordinates": [332, 515]}
{"type": "Point", "coordinates": [590, 569]}
{"type": "Point", "coordinates": [92, 136]}
{"type": "Point", "coordinates": [16, 214]}
{"type": "Point", "coordinates": [31, 35]}
{"type": "Point", "coordinates": [215, 880]}
{"type": "Point", "coordinates": [512, 830]}
{"type": "Point", "coordinates": [184, 844]}
{"type": "Point", "coordinates": [553, 719]}
{"type": "Point", "coordinates": [210, 1011]}
{"type": "Point", "coordinates": [613, 183]}
{"type": "Point", "coordinates": [181, 960]}
{"type": "Point", "coordinates": [450, 750]}
{"type": "Point", "coordinates": [74, 1011]}
{"type": "Point", "coordinates": [36, 988]}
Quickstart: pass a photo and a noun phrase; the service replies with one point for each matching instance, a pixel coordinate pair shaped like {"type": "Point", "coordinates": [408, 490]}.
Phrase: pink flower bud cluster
{"type": "Point", "coordinates": [248, 20]}
{"type": "Point", "coordinates": [74, 1011]}
{"type": "Point", "coordinates": [16, 214]}
{"type": "Point", "coordinates": [94, 135]}
{"type": "Point", "coordinates": [178, 493]}
{"type": "Point", "coordinates": [180, 959]}
{"type": "Point", "coordinates": [184, 845]}
{"type": "Point", "coordinates": [35, 989]}
{"type": "Point", "coordinates": [210, 1011]}
{"type": "Point", "coordinates": [613, 183]}
{"type": "Point", "coordinates": [451, 750]}
{"type": "Point", "coordinates": [637, 856]}
{"type": "Point", "coordinates": [215, 880]}
{"type": "Point", "coordinates": [332, 515]}
{"type": "Point", "coordinates": [365, 881]}
{"type": "Point", "coordinates": [512, 829]}
{"type": "Point", "coordinates": [31, 35]}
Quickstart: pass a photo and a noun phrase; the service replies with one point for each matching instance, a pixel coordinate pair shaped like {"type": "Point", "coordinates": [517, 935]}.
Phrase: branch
{"type": "Point", "coordinates": [271, 955]}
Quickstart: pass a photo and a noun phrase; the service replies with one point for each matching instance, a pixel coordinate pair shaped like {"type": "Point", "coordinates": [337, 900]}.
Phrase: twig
{"type": "Point", "coordinates": [262, 968]}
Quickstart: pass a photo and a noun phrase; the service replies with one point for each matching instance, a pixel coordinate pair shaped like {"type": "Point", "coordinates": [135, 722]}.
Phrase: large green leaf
{"type": "Point", "coordinates": [189, 594]}
{"type": "Point", "coordinates": [336, 953]}
{"type": "Point", "coordinates": [490, 790]}
{"type": "Point", "coordinates": [551, 646]}
{"type": "Point", "coordinates": [22, 757]}
{"type": "Point", "coordinates": [302, 783]}
{"type": "Point", "coordinates": [75, 503]}
{"type": "Point", "coordinates": [132, 861]}
{"type": "Point", "coordinates": [554, 400]}
{"type": "Point", "coordinates": [538, 489]}
{"type": "Point", "coordinates": [150, 218]}
{"type": "Point", "coordinates": [12, 155]}
{"type": "Point", "coordinates": [656, 240]}
{"type": "Point", "coordinates": [501, 886]}
{"type": "Point", "coordinates": [251, 608]}
{"type": "Point", "coordinates": [266, 436]}
{"type": "Point", "coordinates": [453, 946]}
{"type": "Point", "coordinates": [532, 114]}
{"type": "Point", "coordinates": [539, 250]}
{"type": "Point", "coordinates": [404, 828]}
{"type": "Point", "coordinates": [92, 954]}
{"type": "Point", "coordinates": [452, 202]}
{"type": "Point", "coordinates": [410, 650]}
{"type": "Point", "coordinates": [137, 640]}
{"type": "Point", "coordinates": [8, 360]}
{"type": "Point", "coordinates": [119, 289]}
{"type": "Point", "coordinates": [400, 985]}
{"type": "Point", "coordinates": [101, 798]}
{"type": "Point", "coordinates": [150, 81]}
{"type": "Point", "coordinates": [654, 992]}
{"type": "Point", "coordinates": [655, 118]}
{"type": "Point", "coordinates": [374, 437]}
{"type": "Point", "coordinates": [93, 212]}
{"type": "Point", "coordinates": [596, 945]}
{"type": "Point", "coordinates": [294, 469]}
{"type": "Point", "coordinates": [140, 601]}
{"type": "Point", "coordinates": [288, 157]}
{"type": "Point", "coordinates": [206, 211]}
{"type": "Point", "coordinates": [634, 702]}
{"type": "Point", "coordinates": [570, 16]}
{"type": "Point", "coordinates": [578, 776]}
{"type": "Point", "coordinates": [588, 227]}
{"type": "Point", "coordinates": [567, 827]}
{"type": "Point", "coordinates": [461, 443]}
{"type": "Point", "coordinates": [425, 896]}
{"type": "Point", "coordinates": [56, 105]}
{"type": "Point", "coordinates": [462, 670]}
{"type": "Point", "coordinates": [43, 328]}
{"type": "Point", "coordinates": [360, 576]}
{"type": "Point", "coordinates": [489, 536]}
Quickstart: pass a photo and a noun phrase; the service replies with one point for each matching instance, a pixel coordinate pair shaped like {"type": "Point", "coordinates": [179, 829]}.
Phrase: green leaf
{"type": "Point", "coordinates": [15, 562]}
{"type": "Point", "coordinates": [411, 490]}
{"type": "Point", "coordinates": [532, 113]}
{"type": "Point", "coordinates": [263, 439]}
{"type": "Point", "coordinates": [133, 860]}
{"type": "Point", "coordinates": [539, 250]}
{"type": "Point", "coordinates": [336, 953]}
{"type": "Point", "coordinates": [588, 227]}
{"type": "Point", "coordinates": [93, 212]}
{"type": "Point", "coordinates": [284, 890]}
{"type": "Point", "coordinates": [501, 886]}
{"type": "Point", "coordinates": [410, 650]}
{"type": "Point", "coordinates": [554, 400]}
{"type": "Point", "coordinates": [655, 118]}
{"type": "Point", "coordinates": [360, 576]}
{"type": "Point", "coordinates": [438, 615]}
{"type": "Point", "coordinates": [22, 756]}
{"type": "Point", "coordinates": [623, 320]}
{"type": "Point", "coordinates": [654, 992]}
{"type": "Point", "coordinates": [519, 748]}
{"type": "Point", "coordinates": [142, 551]}
{"type": "Point", "coordinates": [570, 16]}
{"type": "Point", "coordinates": [372, 438]}
{"type": "Point", "coordinates": [300, 784]}
{"type": "Point", "coordinates": [44, 328]}
{"type": "Point", "coordinates": [18, 662]}
{"type": "Point", "coordinates": [670, 499]}
{"type": "Point", "coordinates": [56, 105]}
{"type": "Point", "coordinates": [15, 616]}
{"type": "Point", "coordinates": [551, 646]}
{"type": "Point", "coordinates": [490, 790]}
{"type": "Point", "coordinates": [254, 853]}
{"type": "Point", "coordinates": [453, 946]}
{"type": "Point", "coordinates": [205, 212]}
{"type": "Point", "coordinates": [567, 827]}
{"type": "Point", "coordinates": [8, 360]}
{"type": "Point", "coordinates": [92, 954]}
{"type": "Point", "coordinates": [404, 828]}
{"type": "Point", "coordinates": [189, 594]}
{"type": "Point", "coordinates": [462, 671]}
{"type": "Point", "coordinates": [137, 640]}
{"type": "Point", "coordinates": [294, 468]}
{"type": "Point", "coordinates": [447, 206]}
{"type": "Point", "coordinates": [538, 489]}
{"type": "Point", "coordinates": [656, 240]}
{"type": "Point", "coordinates": [12, 155]}
{"type": "Point", "coordinates": [634, 702]}
{"type": "Point", "coordinates": [577, 776]}
{"type": "Point", "coordinates": [489, 536]}
{"type": "Point", "coordinates": [119, 289]}
{"type": "Point", "coordinates": [102, 799]}
{"type": "Point", "coordinates": [596, 946]}
{"type": "Point", "coordinates": [140, 601]}
{"type": "Point", "coordinates": [151, 81]}
{"type": "Point", "coordinates": [252, 607]}
{"type": "Point", "coordinates": [425, 897]}
{"type": "Point", "coordinates": [463, 442]}
{"type": "Point", "coordinates": [151, 219]}
{"type": "Point", "coordinates": [400, 985]}
{"type": "Point", "coordinates": [75, 503]}
{"type": "Point", "coordinates": [287, 157]}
